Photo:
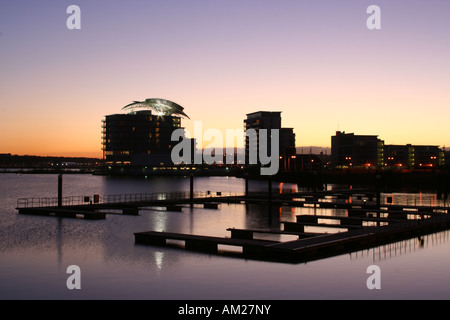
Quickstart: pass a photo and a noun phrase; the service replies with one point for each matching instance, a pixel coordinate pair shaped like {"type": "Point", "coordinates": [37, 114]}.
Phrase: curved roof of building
{"type": "Point", "coordinates": [161, 106]}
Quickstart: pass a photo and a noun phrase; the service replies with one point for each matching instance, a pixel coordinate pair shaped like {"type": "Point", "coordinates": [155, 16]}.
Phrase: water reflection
{"type": "Point", "coordinates": [111, 261]}
{"type": "Point", "coordinates": [403, 247]}
{"type": "Point", "coordinates": [159, 257]}
{"type": "Point", "coordinates": [262, 216]}
{"type": "Point", "coordinates": [59, 241]}
{"type": "Point", "coordinates": [415, 199]}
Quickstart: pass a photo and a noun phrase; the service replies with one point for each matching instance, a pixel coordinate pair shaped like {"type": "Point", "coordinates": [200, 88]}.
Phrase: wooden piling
{"type": "Point", "coordinates": [60, 190]}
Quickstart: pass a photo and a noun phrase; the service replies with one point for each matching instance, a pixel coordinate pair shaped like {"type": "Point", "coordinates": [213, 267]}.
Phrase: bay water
{"type": "Point", "coordinates": [35, 252]}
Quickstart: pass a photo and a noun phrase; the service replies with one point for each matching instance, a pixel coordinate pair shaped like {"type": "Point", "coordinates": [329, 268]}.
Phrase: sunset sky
{"type": "Point", "coordinates": [316, 61]}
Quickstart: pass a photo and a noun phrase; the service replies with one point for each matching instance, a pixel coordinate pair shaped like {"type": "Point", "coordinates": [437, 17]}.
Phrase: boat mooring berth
{"type": "Point", "coordinates": [309, 246]}
{"type": "Point", "coordinates": [366, 223]}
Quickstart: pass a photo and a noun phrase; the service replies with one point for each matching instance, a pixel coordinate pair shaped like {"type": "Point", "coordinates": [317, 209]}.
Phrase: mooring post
{"type": "Point", "coordinates": [246, 184]}
{"type": "Point", "coordinates": [60, 190]}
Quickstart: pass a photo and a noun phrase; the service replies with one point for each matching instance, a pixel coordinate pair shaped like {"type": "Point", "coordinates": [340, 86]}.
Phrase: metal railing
{"type": "Point", "coordinates": [119, 198]}
{"type": "Point", "coordinates": [180, 195]}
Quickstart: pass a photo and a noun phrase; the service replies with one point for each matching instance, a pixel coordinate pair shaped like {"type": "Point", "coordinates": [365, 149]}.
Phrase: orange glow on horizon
{"type": "Point", "coordinates": [57, 86]}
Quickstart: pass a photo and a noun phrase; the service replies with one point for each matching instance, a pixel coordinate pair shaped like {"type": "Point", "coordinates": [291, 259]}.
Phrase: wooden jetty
{"type": "Point", "coordinates": [332, 244]}
{"type": "Point", "coordinates": [306, 248]}
{"type": "Point", "coordinates": [130, 204]}
{"type": "Point", "coordinates": [366, 224]}
{"type": "Point", "coordinates": [343, 222]}
{"type": "Point", "coordinates": [198, 242]}
{"type": "Point", "coordinates": [63, 213]}
{"type": "Point", "coordinates": [250, 233]}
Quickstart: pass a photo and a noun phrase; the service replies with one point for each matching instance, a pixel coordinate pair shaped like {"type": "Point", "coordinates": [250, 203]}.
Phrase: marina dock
{"type": "Point", "coordinates": [308, 247]}
{"type": "Point", "coordinates": [198, 242]}
{"type": "Point", "coordinates": [365, 223]}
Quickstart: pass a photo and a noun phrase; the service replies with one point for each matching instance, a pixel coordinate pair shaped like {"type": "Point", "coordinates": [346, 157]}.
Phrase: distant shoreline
{"type": "Point", "coordinates": [388, 180]}
{"type": "Point", "coordinates": [44, 171]}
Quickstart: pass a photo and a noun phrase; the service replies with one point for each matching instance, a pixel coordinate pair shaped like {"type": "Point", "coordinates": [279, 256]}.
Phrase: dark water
{"type": "Point", "coordinates": [36, 251]}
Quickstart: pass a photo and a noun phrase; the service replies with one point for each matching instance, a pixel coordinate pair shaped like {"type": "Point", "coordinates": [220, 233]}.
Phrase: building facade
{"type": "Point", "coordinates": [269, 120]}
{"type": "Point", "coordinates": [350, 150]}
{"type": "Point", "coordinates": [413, 156]}
{"type": "Point", "coordinates": [139, 138]}
{"type": "Point", "coordinates": [287, 142]}
{"type": "Point", "coordinates": [398, 156]}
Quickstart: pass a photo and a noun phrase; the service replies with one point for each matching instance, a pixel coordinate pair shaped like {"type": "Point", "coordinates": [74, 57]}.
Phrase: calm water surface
{"type": "Point", "coordinates": [36, 251]}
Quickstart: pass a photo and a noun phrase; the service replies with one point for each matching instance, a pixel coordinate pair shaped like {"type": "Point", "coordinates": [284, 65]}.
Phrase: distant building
{"type": "Point", "coordinates": [257, 121]}
{"type": "Point", "coordinates": [399, 156]}
{"type": "Point", "coordinates": [269, 120]}
{"type": "Point", "coordinates": [413, 156]}
{"type": "Point", "coordinates": [350, 150]}
{"type": "Point", "coordinates": [287, 142]}
{"type": "Point", "coordinates": [139, 138]}
{"type": "Point", "coordinates": [428, 156]}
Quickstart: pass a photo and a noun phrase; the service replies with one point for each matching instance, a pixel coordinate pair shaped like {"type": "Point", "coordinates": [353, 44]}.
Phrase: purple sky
{"type": "Point", "coordinates": [316, 61]}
